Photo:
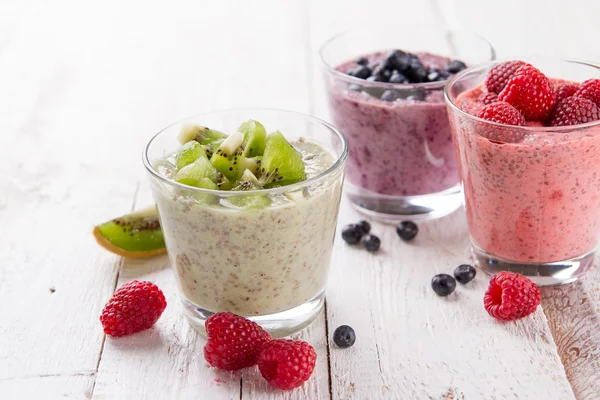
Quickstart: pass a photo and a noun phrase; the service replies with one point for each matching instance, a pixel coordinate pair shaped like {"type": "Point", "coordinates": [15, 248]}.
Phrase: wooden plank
{"type": "Point", "coordinates": [77, 385]}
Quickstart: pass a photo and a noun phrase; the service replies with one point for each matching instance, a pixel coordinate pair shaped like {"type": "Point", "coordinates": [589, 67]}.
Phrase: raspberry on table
{"type": "Point", "coordinates": [511, 296]}
{"type": "Point", "coordinates": [574, 111]}
{"type": "Point", "coordinates": [287, 364]}
{"type": "Point", "coordinates": [134, 307]}
{"type": "Point", "coordinates": [502, 113]}
{"type": "Point", "coordinates": [590, 90]}
{"type": "Point", "coordinates": [530, 92]}
{"type": "Point", "coordinates": [500, 74]}
{"type": "Point", "coordinates": [233, 342]}
{"type": "Point", "coordinates": [565, 90]}
{"type": "Point", "coordinates": [487, 98]}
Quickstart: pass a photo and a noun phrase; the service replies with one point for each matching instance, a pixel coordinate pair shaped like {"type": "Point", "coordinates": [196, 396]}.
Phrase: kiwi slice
{"type": "Point", "coordinates": [249, 182]}
{"type": "Point", "coordinates": [281, 164]}
{"type": "Point", "coordinates": [195, 173]}
{"type": "Point", "coordinates": [229, 161]}
{"type": "Point", "coordinates": [190, 152]}
{"type": "Point", "coordinates": [135, 235]}
{"type": "Point", "coordinates": [201, 134]}
{"type": "Point", "coordinates": [255, 136]}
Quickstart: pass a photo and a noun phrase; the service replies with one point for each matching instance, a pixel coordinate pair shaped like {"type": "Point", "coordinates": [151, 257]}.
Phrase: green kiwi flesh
{"type": "Point", "coordinates": [281, 164]}
{"type": "Point", "coordinates": [198, 174]}
{"type": "Point", "coordinates": [255, 137]}
{"type": "Point", "coordinates": [249, 182]}
{"type": "Point", "coordinates": [201, 134]}
{"type": "Point", "coordinates": [189, 153]}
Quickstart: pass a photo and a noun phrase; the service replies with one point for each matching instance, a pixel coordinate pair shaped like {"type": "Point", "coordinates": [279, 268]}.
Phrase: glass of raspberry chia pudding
{"type": "Point", "coordinates": [532, 191]}
{"type": "Point", "coordinates": [262, 252]}
{"type": "Point", "coordinates": [385, 92]}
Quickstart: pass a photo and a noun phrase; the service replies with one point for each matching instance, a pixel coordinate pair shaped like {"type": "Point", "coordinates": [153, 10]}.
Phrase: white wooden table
{"type": "Point", "coordinates": [83, 85]}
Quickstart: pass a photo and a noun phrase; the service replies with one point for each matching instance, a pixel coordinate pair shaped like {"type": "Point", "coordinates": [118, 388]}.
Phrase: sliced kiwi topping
{"type": "Point", "coordinates": [201, 134]}
{"type": "Point", "coordinates": [281, 164]}
{"type": "Point", "coordinates": [255, 137]}
{"type": "Point", "coordinates": [249, 182]}
{"type": "Point", "coordinates": [198, 174]}
{"type": "Point", "coordinates": [189, 153]}
{"type": "Point", "coordinates": [135, 235]}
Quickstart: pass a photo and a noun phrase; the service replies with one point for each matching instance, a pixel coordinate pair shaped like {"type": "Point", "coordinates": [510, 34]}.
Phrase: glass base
{"type": "Point", "coordinates": [542, 274]}
{"type": "Point", "coordinates": [284, 323]}
{"type": "Point", "coordinates": [393, 209]}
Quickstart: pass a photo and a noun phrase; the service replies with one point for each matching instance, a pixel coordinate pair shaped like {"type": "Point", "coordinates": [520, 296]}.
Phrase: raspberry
{"type": "Point", "coordinates": [287, 364]}
{"type": "Point", "coordinates": [233, 342]}
{"type": "Point", "coordinates": [590, 90]}
{"type": "Point", "coordinates": [134, 307]}
{"type": "Point", "coordinates": [502, 113]}
{"type": "Point", "coordinates": [511, 296]}
{"type": "Point", "coordinates": [530, 92]}
{"type": "Point", "coordinates": [500, 75]}
{"type": "Point", "coordinates": [573, 111]}
{"type": "Point", "coordinates": [565, 90]}
{"type": "Point", "coordinates": [487, 98]}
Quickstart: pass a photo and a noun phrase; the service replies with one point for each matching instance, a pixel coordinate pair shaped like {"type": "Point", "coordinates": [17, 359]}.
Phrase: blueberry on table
{"type": "Point", "coordinates": [389, 95]}
{"type": "Point", "coordinates": [352, 234]}
{"type": "Point", "coordinates": [371, 243]}
{"type": "Point", "coordinates": [361, 72]}
{"type": "Point", "coordinates": [443, 284]}
{"type": "Point", "coordinates": [455, 66]}
{"type": "Point", "coordinates": [407, 230]}
{"type": "Point", "coordinates": [364, 226]}
{"type": "Point", "coordinates": [344, 336]}
{"type": "Point", "coordinates": [465, 273]}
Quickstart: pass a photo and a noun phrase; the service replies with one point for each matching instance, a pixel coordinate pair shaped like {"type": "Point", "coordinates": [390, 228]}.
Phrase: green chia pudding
{"type": "Point", "coordinates": [247, 245]}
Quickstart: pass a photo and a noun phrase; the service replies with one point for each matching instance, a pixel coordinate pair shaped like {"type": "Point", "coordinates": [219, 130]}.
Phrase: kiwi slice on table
{"type": "Point", "coordinates": [281, 164]}
{"type": "Point", "coordinates": [135, 235]}
{"type": "Point", "coordinates": [249, 182]}
{"type": "Point", "coordinates": [255, 137]}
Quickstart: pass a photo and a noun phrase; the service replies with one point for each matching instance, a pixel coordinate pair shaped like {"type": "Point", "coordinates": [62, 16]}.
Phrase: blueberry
{"type": "Point", "coordinates": [464, 273]}
{"type": "Point", "coordinates": [361, 61]}
{"type": "Point", "coordinates": [435, 76]}
{"type": "Point", "coordinates": [399, 60]}
{"type": "Point", "coordinates": [443, 284]}
{"type": "Point", "coordinates": [352, 234]}
{"type": "Point", "coordinates": [344, 336]}
{"type": "Point", "coordinates": [397, 77]}
{"type": "Point", "coordinates": [371, 243]}
{"type": "Point", "coordinates": [382, 73]}
{"type": "Point", "coordinates": [455, 66]}
{"type": "Point", "coordinates": [361, 72]}
{"type": "Point", "coordinates": [417, 73]}
{"type": "Point", "coordinates": [389, 95]}
{"type": "Point", "coordinates": [364, 226]}
{"type": "Point", "coordinates": [407, 230]}
{"type": "Point", "coordinates": [354, 87]}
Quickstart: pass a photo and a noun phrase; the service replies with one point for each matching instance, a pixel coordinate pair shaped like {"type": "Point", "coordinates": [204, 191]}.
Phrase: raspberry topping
{"type": "Point", "coordinates": [590, 90]}
{"type": "Point", "coordinates": [287, 364]}
{"type": "Point", "coordinates": [233, 342]}
{"type": "Point", "coordinates": [573, 111]}
{"type": "Point", "coordinates": [530, 92]}
{"type": "Point", "coordinates": [511, 296]}
{"type": "Point", "coordinates": [499, 76]}
{"type": "Point", "coordinates": [565, 90]}
{"type": "Point", "coordinates": [134, 307]}
{"type": "Point", "coordinates": [487, 98]}
{"type": "Point", "coordinates": [502, 113]}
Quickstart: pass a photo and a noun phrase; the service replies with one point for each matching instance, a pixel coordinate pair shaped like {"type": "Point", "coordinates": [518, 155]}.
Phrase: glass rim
{"type": "Point", "coordinates": [337, 165]}
{"type": "Point", "coordinates": [426, 85]}
{"type": "Point", "coordinates": [529, 129]}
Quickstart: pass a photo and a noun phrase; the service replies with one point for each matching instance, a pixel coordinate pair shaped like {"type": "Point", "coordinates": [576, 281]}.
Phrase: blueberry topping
{"type": "Point", "coordinates": [465, 273]}
{"type": "Point", "coordinates": [344, 336]}
{"type": "Point", "coordinates": [361, 72]}
{"type": "Point", "coordinates": [399, 60]}
{"type": "Point", "coordinates": [407, 230]}
{"type": "Point", "coordinates": [354, 87]}
{"type": "Point", "coordinates": [361, 61]}
{"type": "Point", "coordinates": [371, 243]}
{"type": "Point", "coordinates": [455, 66]}
{"type": "Point", "coordinates": [417, 72]}
{"type": "Point", "coordinates": [435, 75]}
{"type": "Point", "coordinates": [397, 77]}
{"type": "Point", "coordinates": [389, 95]}
{"type": "Point", "coordinates": [364, 226]}
{"type": "Point", "coordinates": [443, 284]}
{"type": "Point", "coordinates": [352, 234]}
{"type": "Point", "coordinates": [382, 73]}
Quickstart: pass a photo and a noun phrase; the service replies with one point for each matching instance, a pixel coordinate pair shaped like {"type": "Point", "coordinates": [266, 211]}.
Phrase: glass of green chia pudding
{"type": "Point", "coordinates": [249, 211]}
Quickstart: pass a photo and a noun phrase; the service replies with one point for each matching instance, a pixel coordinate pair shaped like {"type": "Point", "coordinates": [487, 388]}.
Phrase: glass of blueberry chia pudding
{"type": "Point", "coordinates": [248, 202]}
{"type": "Point", "coordinates": [527, 139]}
{"type": "Point", "coordinates": [385, 94]}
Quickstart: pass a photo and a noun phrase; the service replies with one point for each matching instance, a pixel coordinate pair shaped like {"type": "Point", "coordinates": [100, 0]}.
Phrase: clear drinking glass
{"type": "Point", "coordinates": [401, 162]}
{"type": "Point", "coordinates": [532, 193]}
{"type": "Point", "coordinates": [267, 263]}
